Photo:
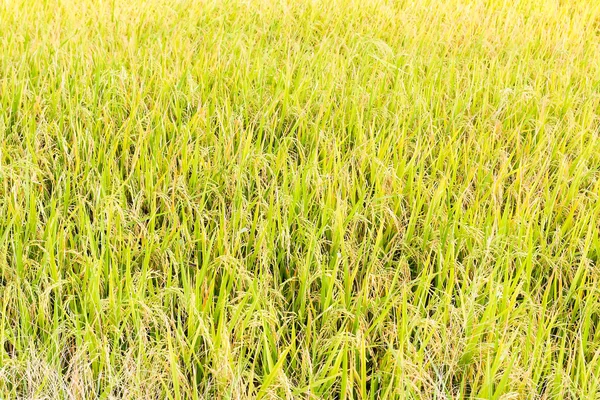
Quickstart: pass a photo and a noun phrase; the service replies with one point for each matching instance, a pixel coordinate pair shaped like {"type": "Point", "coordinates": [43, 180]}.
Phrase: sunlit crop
{"type": "Point", "coordinates": [299, 199]}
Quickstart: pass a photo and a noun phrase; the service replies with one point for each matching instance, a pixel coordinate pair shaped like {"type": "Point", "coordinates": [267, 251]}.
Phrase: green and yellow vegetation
{"type": "Point", "coordinates": [342, 199]}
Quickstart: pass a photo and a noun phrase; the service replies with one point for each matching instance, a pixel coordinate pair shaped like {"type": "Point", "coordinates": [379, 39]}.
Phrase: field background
{"type": "Point", "coordinates": [299, 199]}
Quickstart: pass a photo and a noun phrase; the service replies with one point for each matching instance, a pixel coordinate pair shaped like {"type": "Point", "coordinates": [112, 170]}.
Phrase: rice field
{"type": "Point", "coordinates": [299, 199]}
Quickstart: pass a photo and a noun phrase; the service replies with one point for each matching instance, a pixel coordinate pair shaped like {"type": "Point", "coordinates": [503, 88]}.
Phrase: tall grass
{"type": "Point", "coordinates": [299, 199]}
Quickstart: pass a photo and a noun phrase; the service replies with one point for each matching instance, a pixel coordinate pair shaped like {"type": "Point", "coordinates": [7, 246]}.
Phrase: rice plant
{"type": "Point", "coordinates": [299, 199]}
